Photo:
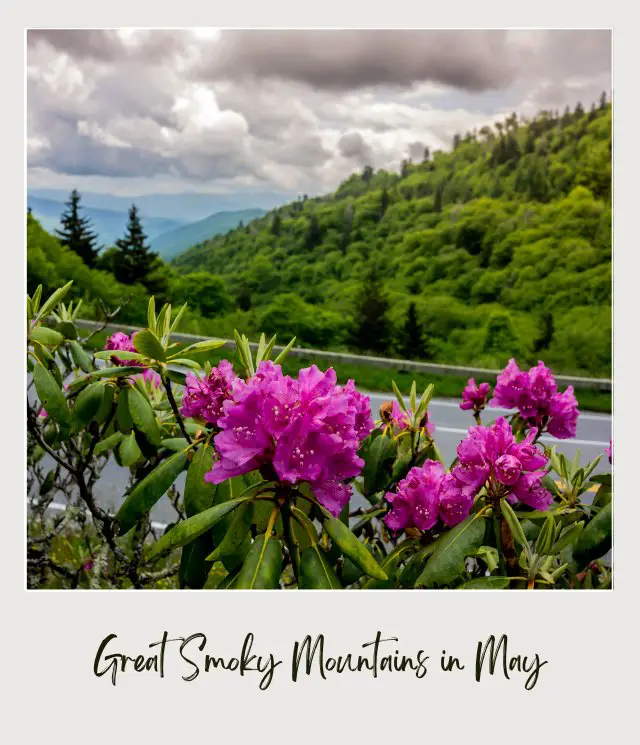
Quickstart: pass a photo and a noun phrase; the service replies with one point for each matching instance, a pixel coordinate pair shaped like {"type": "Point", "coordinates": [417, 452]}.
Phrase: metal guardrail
{"type": "Point", "coordinates": [601, 384]}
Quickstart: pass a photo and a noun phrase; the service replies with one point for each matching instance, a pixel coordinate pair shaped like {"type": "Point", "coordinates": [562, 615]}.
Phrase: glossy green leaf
{"type": "Point", "coordinates": [148, 344]}
{"type": "Point", "coordinates": [188, 530]}
{"type": "Point", "coordinates": [143, 417]}
{"type": "Point", "coordinates": [486, 583]}
{"type": "Point", "coordinates": [390, 564]}
{"type": "Point", "coordinates": [379, 457]}
{"type": "Point", "coordinates": [89, 401]}
{"type": "Point", "coordinates": [236, 533]}
{"type": "Point", "coordinates": [198, 493]}
{"type": "Point", "coordinates": [67, 329]}
{"type": "Point", "coordinates": [595, 540]}
{"type": "Point", "coordinates": [107, 354]}
{"type": "Point", "coordinates": [447, 562]}
{"type": "Point", "coordinates": [280, 358]}
{"type": "Point", "coordinates": [51, 396]}
{"type": "Point", "coordinates": [123, 415]}
{"type": "Point", "coordinates": [316, 572]}
{"type": "Point", "coordinates": [46, 336]}
{"type": "Point", "coordinates": [568, 537]}
{"type": "Point", "coordinates": [353, 548]}
{"type": "Point", "coordinates": [106, 372]}
{"type": "Point", "coordinates": [514, 524]}
{"type": "Point", "coordinates": [55, 298]}
{"type": "Point", "coordinates": [546, 537]}
{"type": "Point", "coordinates": [176, 444]}
{"type": "Point", "coordinates": [108, 443]}
{"type": "Point", "coordinates": [262, 567]}
{"type": "Point", "coordinates": [201, 346]}
{"type": "Point", "coordinates": [148, 491]}
{"type": "Point", "coordinates": [80, 357]}
{"type": "Point", "coordinates": [129, 451]}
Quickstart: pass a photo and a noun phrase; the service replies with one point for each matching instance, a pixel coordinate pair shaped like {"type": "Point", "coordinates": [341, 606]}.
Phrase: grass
{"type": "Point", "coordinates": [375, 379]}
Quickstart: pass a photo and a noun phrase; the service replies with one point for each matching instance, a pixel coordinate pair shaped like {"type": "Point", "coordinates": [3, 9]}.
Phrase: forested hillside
{"type": "Point", "coordinates": [499, 248]}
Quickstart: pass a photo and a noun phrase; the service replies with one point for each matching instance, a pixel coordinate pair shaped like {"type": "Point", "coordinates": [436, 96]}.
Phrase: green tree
{"type": "Point", "coordinates": [413, 346]}
{"type": "Point", "coordinates": [135, 262]}
{"type": "Point", "coordinates": [76, 232]}
{"type": "Point", "coordinates": [371, 330]}
{"type": "Point", "coordinates": [206, 292]}
{"type": "Point", "coordinates": [546, 333]}
{"type": "Point", "coordinates": [314, 232]}
{"type": "Point", "coordinates": [276, 224]}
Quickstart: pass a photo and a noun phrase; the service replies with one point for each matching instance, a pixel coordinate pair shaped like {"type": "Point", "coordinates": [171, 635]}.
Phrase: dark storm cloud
{"type": "Point", "coordinates": [352, 145]}
{"type": "Point", "coordinates": [106, 45]}
{"type": "Point", "coordinates": [342, 60]}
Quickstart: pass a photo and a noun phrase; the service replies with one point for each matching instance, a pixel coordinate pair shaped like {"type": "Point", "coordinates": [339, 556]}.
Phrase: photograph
{"type": "Point", "coordinates": [318, 309]}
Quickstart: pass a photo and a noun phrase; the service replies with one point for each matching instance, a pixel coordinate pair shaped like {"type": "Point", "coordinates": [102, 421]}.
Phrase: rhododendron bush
{"type": "Point", "coordinates": [291, 480]}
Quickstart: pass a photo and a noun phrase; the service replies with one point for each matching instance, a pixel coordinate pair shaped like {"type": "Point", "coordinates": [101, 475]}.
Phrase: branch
{"type": "Point", "coordinates": [174, 407]}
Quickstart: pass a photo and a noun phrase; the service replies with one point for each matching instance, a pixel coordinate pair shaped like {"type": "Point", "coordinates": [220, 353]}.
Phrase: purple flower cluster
{"type": "Point", "coordinates": [294, 430]}
{"type": "Point", "coordinates": [426, 494]}
{"type": "Point", "coordinates": [491, 456]}
{"type": "Point", "coordinates": [475, 396]}
{"type": "Point", "coordinates": [535, 395]}
{"type": "Point", "coordinates": [121, 341]}
{"type": "Point", "coordinates": [150, 376]}
{"type": "Point", "coordinates": [203, 398]}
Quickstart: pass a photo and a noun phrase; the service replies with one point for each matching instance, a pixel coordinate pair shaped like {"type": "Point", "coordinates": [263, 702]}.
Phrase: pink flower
{"type": "Point", "coordinates": [609, 451]}
{"type": "Point", "coordinates": [400, 419]}
{"type": "Point", "coordinates": [491, 457]}
{"type": "Point", "coordinates": [426, 495]}
{"type": "Point", "coordinates": [563, 415]}
{"type": "Point", "coordinates": [535, 395]}
{"type": "Point", "coordinates": [122, 342]}
{"type": "Point", "coordinates": [203, 398]}
{"type": "Point", "coordinates": [475, 396]}
{"type": "Point", "coordinates": [293, 431]}
{"type": "Point", "coordinates": [150, 376]}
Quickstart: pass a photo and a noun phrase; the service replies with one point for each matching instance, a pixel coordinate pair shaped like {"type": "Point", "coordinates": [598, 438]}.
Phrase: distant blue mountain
{"type": "Point", "coordinates": [108, 224]}
{"type": "Point", "coordinates": [184, 207]}
{"type": "Point", "coordinates": [174, 242]}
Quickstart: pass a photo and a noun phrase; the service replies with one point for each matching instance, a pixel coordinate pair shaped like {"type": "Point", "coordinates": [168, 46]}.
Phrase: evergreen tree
{"type": "Point", "coordinates": [603, 100]}
{"type": "Point", "coordinates": [426, 155]}
{"type": "Point", "coordinates": [367, 174]}
{"type": "Point", "coordinates": [437, 199]}
{"type": "Point", "coordinates": [314, 232]}
{"type": "Point", "coordinates": [413, 347]}
{"type": "Point", "coordinates": [371, 331]}
{"type": "Point", "coordinates": [546, 334]}
{"type": "Point", "coordinates": [384, 202]}
{"type": "Point", "coordinates": [276, 225]}
{"type": "Point", "coordinates": [456, 141]}
{"type": "Point", "coordinates": [76, 232]}
{"type": "Point", "coordinates": [134, 261]}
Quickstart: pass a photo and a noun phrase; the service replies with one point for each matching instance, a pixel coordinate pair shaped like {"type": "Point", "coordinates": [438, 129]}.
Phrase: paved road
{"type": "Point", "coordinates": [594, 431]}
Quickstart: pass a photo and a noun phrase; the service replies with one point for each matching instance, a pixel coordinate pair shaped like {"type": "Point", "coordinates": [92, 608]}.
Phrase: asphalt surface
{"type": "Point", "coordinates": [451, 425]}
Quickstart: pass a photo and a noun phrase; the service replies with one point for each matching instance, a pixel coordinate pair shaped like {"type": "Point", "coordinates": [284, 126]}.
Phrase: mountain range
{"type": "Point", "coordinates": [167, 236]}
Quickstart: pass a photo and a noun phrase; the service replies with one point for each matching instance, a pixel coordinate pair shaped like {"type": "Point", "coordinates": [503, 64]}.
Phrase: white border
{"type": "Point", "coordinates": [51, 638]}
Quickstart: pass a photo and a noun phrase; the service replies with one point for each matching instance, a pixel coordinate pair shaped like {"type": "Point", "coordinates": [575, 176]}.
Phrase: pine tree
{"type": "Point", "coordinates": [314, 232]}
{"type": "Point", "coordinates": [384, 203]}
{"type": "Point", "coordinates": [135, 261]}
{"type": "Point", "coordinates": [371, 331]}
{"type": "Point", "coordinates": [426, 155]}
{"type": "Point", "coordinates": [276, 224]}
{"type": "Point", "coordinates": [546, 333]}
{"type": "Point", "coordinates": [413, 346]}
{"type": "Point", "coordinates": [76, 232]}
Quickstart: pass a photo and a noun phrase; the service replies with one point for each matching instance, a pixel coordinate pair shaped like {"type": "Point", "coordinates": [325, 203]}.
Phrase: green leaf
{"type": "Point", "coordinates": [106, 372]}
{"type": "Point", "coordinates": [236, 534]}
{"type": "Point", "coordinates": [148, 344]}
{"type": "Point", "coordinates": [191, 364]}
{"type": "Point", "coordinates": [177, 444]}
{"type": "Point", "coordinates": [47, 336]}
{"type": "Point", "coordinates": [568, 537]}
{"type": "Point", "coordinates": [198, 493]}
{"type": "Point", "coordinates": [545, 538]}
{"type": "Point", "coordinates": [262, 345]}
{"type": "Point", "coordinates": [51, 303]}
{"type": "Point", "coordinates": [202, 346]}
{"type": "Point", "coordinates": [108, 354]}
{"type": "Point", "coordinates": [87, 405]}
{"type": "Point", "coordinates": [35, 300]}
{"type": "Point", "coordinates": [398, 395]}
{"type": "Point", "coordinates": [50, 395]}
{"type": "Point", "coordinates": [486, 583]}
{"type": "Point", "coordinates": [378, 456]}
{"type": "Point", "coordinates": [389, 566]}
{"type": "Point", "coordinates": [148, 491]}
{"type": "Point", "coordinates": [129, 451]}
{"type": "Point", "coordinates": [447, 562]}
{"type": "Point", "coordinates": [151, 314]}
{"type": "Point", "coordinates": [280, 358]}
{"type": "Point", "coordinates": [67, 329]}
{"type": "Point", "coordinates": [316, 572]}
{"type": "Point", "coordinates": [108, 443]}
{"type": "Point", "coordinates": [123, 415]}
{"type": "Point", "coordinates": [353, 548]}
{"type": "Point", "coordinates": [514, 524]}
{"type": "Point", "coordinates": [262, 567]}
{"type": "Point", "coordinates": [595, 540]}
{"type": "Point", "coordinates": [177, 319]}
{"type": "Point", "coordinates": [80, 357]}
{"type": "Point", "coordinates": [143, 417]}
{"type": "Point", "coordinates": [188, 530]}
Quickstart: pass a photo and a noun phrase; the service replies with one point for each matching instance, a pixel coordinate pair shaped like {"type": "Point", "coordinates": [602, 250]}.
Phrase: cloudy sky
{"type": "Point", "coordinates": [135, 111]}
